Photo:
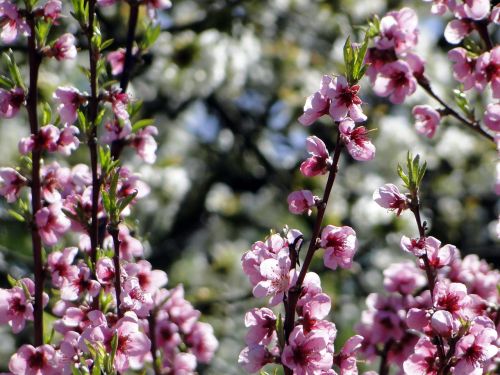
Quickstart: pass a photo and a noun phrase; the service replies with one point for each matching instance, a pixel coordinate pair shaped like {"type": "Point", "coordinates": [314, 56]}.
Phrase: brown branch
{"type": "Point", "coordinates": [34, 59]}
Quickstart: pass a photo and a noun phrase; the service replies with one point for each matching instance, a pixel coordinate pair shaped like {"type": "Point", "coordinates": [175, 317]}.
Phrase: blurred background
{"type": "Point", "coordinates": [225, 82]}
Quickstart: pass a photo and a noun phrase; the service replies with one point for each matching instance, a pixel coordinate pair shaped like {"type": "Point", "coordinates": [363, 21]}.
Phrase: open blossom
{"type": "Point", "coordinates": [34, 361]}
{"type": "Point", "coordinates": [457, 30]}
{"type": "Point", "coordinates": [403, 278]}
{"type": "Point", "coordinates": [262, 326]}
{"type": "Point", "coordinates": [68, 99]}
{"type": "Point", "coordinates": [388, 196]}
{"type": "Point", "coordinates": [463, 67]}
{"type": "Point", "coordinates": [307, 353]}
{"type": "Point", "coordinates": [114, 130]}
{"type": "Point", "coordinates": [319, 161]}
{"type": "Point", "coordinates": [60, 264]}
{"type": "Point", "coordinates": [144, 143]}
{"type": "Point", "coordinates": [202, 342]}
{"type": "Point", "coordinates": [356, 140]}
{"type": "Point", "coordinates": [11, 183]}
{"type": "Point", "coordinates": [444, 324]}
{"type": "Point", "coordinates": [51, 223]}
{"type": "Point", "coordinates": [345, 101]}
{"type": "Point", "coordinates": [423, 360]}
{"type": "Point", "coordinates": [492, 117]}
{"type": "Point", "coordinates": [135, 299]}
{"type": "Point", "coordinates": [12, 22]}
{"type": "Point", "coordinates": [427, 119]}
{"type": "Point", "coordinates": [474, 9]}
{"type": "Point", "coordinates": [15, 308]}
{"type": "Point", "coordinates": [68, 140]}
{"type": "Point", "coordinates": [253, 358]}
{"type": "Point", "coordinates": [477, 347]}
{"type": "Point", "coordinates": [116, 59]}
{"type": "Point", "coordinates": [488, 71]}
{"type": "Point", "coordinates": [11, 101]}
{"type": "Point", "coordinates": [396, 81]}
{"type": "Point", "coordinates": [300, 202]}
{"type": "Point", "coordinates": [277, 278]}
{"type": "Point", "coordinates": [340, 244]}
{"type": "Point", "coordinates": [316, 104]}
{"type": "Point", "coordinates": [77, 282]}
{"type": "Point", "coordinates": [346, 359]}
{"type": "Point", "coordinates": [451, 297]}
{"type": "Point", "coordinates": [420, 246]}
{"type": "Point", "coordinates": [64, 47]}
{"type": "Point", "coordinates": [119, 102]}
{"type": "Point", "coordinates": [398, 30]}
{"type": "Point", "coordinates": [47, 139]}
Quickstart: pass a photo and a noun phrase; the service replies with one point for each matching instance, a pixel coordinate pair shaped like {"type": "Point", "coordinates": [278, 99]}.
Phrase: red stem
{"type": "Point", "coordinates": [34, 59]}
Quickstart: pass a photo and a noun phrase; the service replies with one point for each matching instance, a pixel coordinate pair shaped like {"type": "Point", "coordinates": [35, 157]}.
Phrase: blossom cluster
{"type": "Point", "coordinates": [440, 312]}
{"type": "Point", "coordinates": [303, 341]}
{"type": "Point", "coordinates": [112, 311]}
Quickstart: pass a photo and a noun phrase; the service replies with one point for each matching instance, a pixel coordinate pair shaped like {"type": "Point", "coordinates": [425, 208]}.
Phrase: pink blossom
{"type": "Point", "coordinates": [444, 324]}
{"type": "Point", "coordinates": [52, 10]}
{"type": "Point", "coordinates": [420, 246]}
{"type": "Point", "coordinates": [260, 251]}
{"type": "Point", "coordinates": [398, 30]}
{"type": "Point", "coordinates": [105, 271]}
{"type": "Point", "coordinates": [492, 117]}
{"type": "Point", "coordinates": [12, 22]}
{"type": "Point", "coordinates": [314, 307]}
{"type": "Point", "coordinates": [476, 9]}
{"type": "Point", "coordinates": [474, 349]}
{"type": "Point", "coordinates": [346, 359]}
{"type": "Point", "coordinates": [134, 298]}
{"type": "Point", "coordinates": [437, 256]}
{"type": "Point", "coordinates": [427, 120]}
{"type": "Point", "coordinates": [396, 81]}
{"type": "Point", "coordinates": [319, 161]}
{"type": "Point", "coordinates": [202, 342]}
{"type": "Point", "coordinates": [150, 280]}
{"type": "Point", "coordinates": [316, 104]}
{"type": "Point", "coordinates": [340, 244]}
{"type": "Point", "coordinates": [119, 102]}
{"type": "Point", "coordinates": [116, 59]}
{"type": "Point", "coordinates": [457, 30]}
{"type": "Point", "coordinates": [388, 196]}
{"type": "Point", "coordinates": [438, 7]}
{"type": "Point", "coordinates": [488, 70]}
{"type": "Point", "coordinates": [344, 100]}
{"type": "Point", "coordinates": [262, 326]}
{"type": "Point", "coordinates": [307, 353]}
{"type": "Point", "coordinates": [376, 59]}
{"type": "Point", "coordinates": [132, 343]}
{"type": "Point", "coordinates": [277, 278]}
{"type": "Point", "coordinates": [64, 47]}
{"type": "Point", "coordinates": [48, 136]}
{"type": "Point", "coordinates": [34, 361]}
{"type": "Point", "coordinates": [68, 140]}
{"type": "Point", "coordinates": [423, 360]}
{"type": "Point", "coordinates": [154, 5]}
{"type": "Point", "coordinates": [11, 183]}
{"type": "Point", "coordinates": [180, 311]}
{"type": "Point", "coordinates": [69, 100]}
{"type": "Point", "coordinates": [15, 308]}
{"type": "Point", "coordinates": [356, 140]}
{"type": "Point", "coordinates": [300, 202]}
{"type": "Point", "coordinates": [70, 353]}
{"type": "Point", "coordinates": [130, 247]}
{"type": "Point", "coordinates": [51, 223]}
{"type": "Point", "coordinates": [59, 264]}
{"type": "Point", "coordinates": [451, 297]}
{"type": "Point", "coordinates": [464, 67]}
{"type": "Point", "coordinates": [11, 101]}
{"type": "Point", "coordinates": [253, 358]}
{"type": "Point", "coordinates": [114, 130]}
{"type": "Point", "coordinates": [403, 278]}
{"type": "Point", "coordinates": [79, 282]}
{"type": "Point", "coordinates": [184, 364]}
{"type": "Point", "coordinates": [52, 180]}
{"type": "Point", "coordinates": [144, 143]}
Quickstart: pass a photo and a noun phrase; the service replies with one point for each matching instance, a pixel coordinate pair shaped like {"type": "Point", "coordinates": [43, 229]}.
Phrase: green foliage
{"type": "Point", "coordinates": [462, 103]}
{"type": "Point", "coordinates": [15, 73]}
{"type": "Point", "coordinates": [353, 60]}
{"type": "Point", "coordinates": [414, 173]}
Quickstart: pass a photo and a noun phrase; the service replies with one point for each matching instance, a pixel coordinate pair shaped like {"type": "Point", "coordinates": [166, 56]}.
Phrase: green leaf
{"type": "Point", "coordinates": [280, 331]}
{"type": "Point", "coordinates": [11, 280]}
{"type": "Point", "coordinates": [359, 69]}
{"type": "Point", "coordinates": [46, 113]}
{"type": "Point", "coordinates": [42, 29]}
{"type": "Point", "coordinates": [151, 35]}
{"type": "Point", "coordinates": [6, 82]}
{"type": "Point", "coordinates": [403, 176]}
{"type": "Point", "coordinates": [17, 216]}
{"type": "Point", "coordinates": [114, 347]}
{"type": "Point", "coordinates": [124, 202]}
{"type": "Point", "coordinates": [142, 124]}
{"type": "Point", "coordinates": [349, 59]}
{"type": "Point", "coordinates": [106, 202]}
{"type": "Point", "coordinates": [106, 44]}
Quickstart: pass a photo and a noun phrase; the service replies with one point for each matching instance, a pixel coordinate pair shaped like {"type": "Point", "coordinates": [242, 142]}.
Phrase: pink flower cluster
{"type": "Point", "coordinates": [439, 313]}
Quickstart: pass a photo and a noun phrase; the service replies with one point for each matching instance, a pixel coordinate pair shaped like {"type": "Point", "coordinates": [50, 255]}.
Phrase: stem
{"type": "Point", "coordinates": [129, 58]}
{"type": "Point", "coordinates": [152, 335]}
{"type": "Point", "coordinates": [34, 59]}
{"type": "Point", "coordinates": [473, 125]}
{"type": "Point", "coordinates": [113, 230]}
{"type": "Point", "coordinates": [482, 29]}
{"type": "Point", "coordinates": [384, 366]}
{"type": "Point", "coordinates": [92, 136]}
{"type": "Point", "coordinates": [294, 293]}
